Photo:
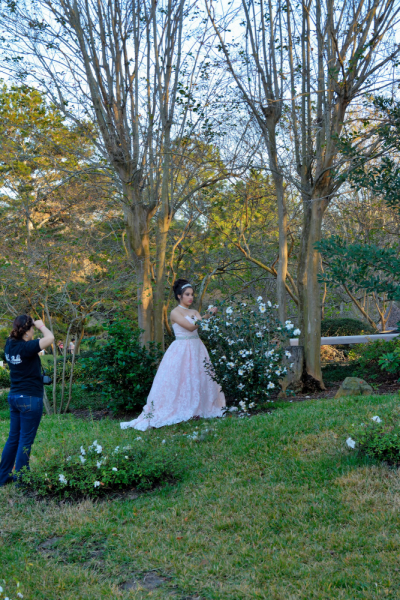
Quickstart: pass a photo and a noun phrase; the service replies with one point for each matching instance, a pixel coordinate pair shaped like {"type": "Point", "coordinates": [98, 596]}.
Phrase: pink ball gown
{"type": "Point", "coordinates": [181, 389]}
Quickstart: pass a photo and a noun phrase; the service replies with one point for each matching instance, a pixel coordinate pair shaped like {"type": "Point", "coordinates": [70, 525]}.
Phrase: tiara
{"type": "Point", "coordinates": [186, 285]}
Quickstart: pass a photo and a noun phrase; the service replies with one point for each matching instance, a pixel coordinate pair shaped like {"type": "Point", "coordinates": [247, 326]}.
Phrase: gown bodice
{"type": "Point", "coordinates": [184, 334]}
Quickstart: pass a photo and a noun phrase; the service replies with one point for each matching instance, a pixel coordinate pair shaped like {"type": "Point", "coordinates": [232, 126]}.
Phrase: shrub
{"type": "Point", "coordinates": [78, 374]}
{"type": "Point", "coordinates": [94, 472]}
{"type": "Point", "coordinates": [335, 372]}
{"type": "Point", "coordinates": [381, 357]}
{"type": "Point", "coordinates": [345, 326]}
{"type": "Point", "coordinates": [122, 370]}
{"type": "Point", "coordinates": [5, 380]}
{"type": "Point", "coordinates": [377, 439]}
{"type": "Point", "coordinates": [246, 343]}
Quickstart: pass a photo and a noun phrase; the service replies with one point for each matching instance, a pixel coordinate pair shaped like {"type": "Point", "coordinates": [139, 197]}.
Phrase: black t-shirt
{"type": "Point", "coordinates": [25, 367]}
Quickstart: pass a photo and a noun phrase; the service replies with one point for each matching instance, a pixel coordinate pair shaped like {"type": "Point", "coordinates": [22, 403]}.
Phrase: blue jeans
{"type": "Point", "coordinates": [25, 415]}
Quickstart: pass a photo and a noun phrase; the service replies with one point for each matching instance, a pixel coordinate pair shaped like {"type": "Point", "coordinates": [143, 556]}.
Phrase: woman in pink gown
{"type": "Point", "coordinates": [182, 389]}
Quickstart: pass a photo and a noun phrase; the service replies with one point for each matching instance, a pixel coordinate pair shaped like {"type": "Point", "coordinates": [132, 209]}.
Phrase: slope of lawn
{"type": "Point", "coordinates": [273, 506]}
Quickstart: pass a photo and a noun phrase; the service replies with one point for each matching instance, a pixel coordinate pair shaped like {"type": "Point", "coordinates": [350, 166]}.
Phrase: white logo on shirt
{"type": "Point", "coordinates": [14, 360]}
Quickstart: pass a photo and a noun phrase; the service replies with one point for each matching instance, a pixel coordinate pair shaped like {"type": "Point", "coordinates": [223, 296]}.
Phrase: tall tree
{"type": "Point", "coordinates": [134, 67]}
{"type": "Point", "coordinates": [330, 55]}
{"type": "Point", "coordinates": [255, 61]}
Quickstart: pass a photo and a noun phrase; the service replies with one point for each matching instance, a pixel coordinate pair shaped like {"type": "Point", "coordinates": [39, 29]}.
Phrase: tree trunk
{"type": "Point", "coordinates": [137, 219]}
{"type": "Point", "coordinates": [272, 117]}
{"type": "Point", "coordinates": [159, 289]}
{"type": "Point", "coordinates": [309, 291]}
{"type": "Point", "coordinates": [283, 248]}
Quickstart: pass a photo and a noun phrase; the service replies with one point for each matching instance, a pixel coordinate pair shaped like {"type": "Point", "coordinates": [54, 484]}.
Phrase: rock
{"type": "Point", "coordinates": [354, 386]}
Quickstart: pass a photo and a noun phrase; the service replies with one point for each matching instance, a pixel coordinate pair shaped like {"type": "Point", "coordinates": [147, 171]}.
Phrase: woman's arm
{"type": "Point", "coordinates": [177, 317]}
{"type": "Point", "coordinates": [210, 313]}
{"type": "Point", "coordinates": [48, 337]}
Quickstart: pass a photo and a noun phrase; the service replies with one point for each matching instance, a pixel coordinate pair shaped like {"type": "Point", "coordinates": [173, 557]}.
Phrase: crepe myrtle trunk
{"type": "Point", "coordinates": [309, 290]}
{"type": "Point", "coordinates": [137, 221]}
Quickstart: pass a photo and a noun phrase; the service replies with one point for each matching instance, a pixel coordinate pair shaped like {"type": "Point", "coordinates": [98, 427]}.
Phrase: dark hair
{"type": "Point", "coordinates": [178, 285]}
{"type": "Point", "coordinates": [21, 325]}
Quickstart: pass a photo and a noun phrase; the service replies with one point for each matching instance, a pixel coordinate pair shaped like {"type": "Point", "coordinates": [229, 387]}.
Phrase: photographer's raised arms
{"type": "Point", "coordinates": [26, 393]}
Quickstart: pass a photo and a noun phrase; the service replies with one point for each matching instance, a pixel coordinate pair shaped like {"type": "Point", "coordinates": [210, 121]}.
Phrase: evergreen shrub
{"type": "Point", "coordinates": [345, 326]}
{"type": "Point", "coordinates": [377, 358]}
{"type": "Point", "coordinates": [122, 370]}
{"type": "Point", "coordinates": [5, 380]}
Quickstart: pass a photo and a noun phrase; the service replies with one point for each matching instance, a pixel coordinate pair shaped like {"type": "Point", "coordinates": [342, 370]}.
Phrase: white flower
{"type": "Point", "coordinates": [223, 357]}
{"type": "Point", "coordinates": [296, 332]}
{"type": "Point", "coordinates": [1, 589]}
{"type": "Point", "coordinates": [287, 354]}
{"type": "Point", "coordinates": [252, 404]}
{"type": "Point", "coordinates": [210, 307]}
{"type": "Point", "coordinates": [259, 299]}
{"type": "Point", "coordinates": [163, 442]}
{"type": "Point", "coordinates": [116, 450]}
{"type": "Point", "coordinates": [99, 463]}
{"type": "Point", "coordinates": [138, 439]}
{"type": "Point", "coordinates": [377, 419]}
{"type": "Point", "coordinates": [291, 365]}
{"type": "Point", "coordinates": [229, 310]}
{"type": "Point", "coordinates": [289, 326]}
{"type": "Point", "coordinates": [351, 443]}
{"type": "Point", "coordinates": [227, 323]}
{"type": "Point", "coordinates": [83, 460]}
{"type": "Point", "coordinates": [278, 372]}
{"type": "Point", "coordinates": [96, 484]}
{"type": "Point", "coordinates": [244, 304]}
{"type": "Point", "coordinates": [19, 595]}
{"type": "Point", "coordinates": [230, 365]}
{"type": "Point", "coordinates": [276, 305]}
{"type": "Point", "coordinates": [259, 334]}
{"type": "Point", "coordinates": [126, 457]}
{"type": "Point", "coordinates": [83, 451]}
{"type": "Point", "coordinates": [269, 303]}
{"type": "Point", "coordinates": [241, 386]}
{"type": "Point", "coordinates": [270, 386]}
{"type": "Point", "coordinates": [242, 405]}
{"type": "Point", "coordinates": [262, 308]}
{"type": "Point", "coordinates": [240, 372]}
{"type": "Point", "coordinates": [270, 353]}
{"type": "Point", "coordinates": [205, 326]}
{"type": "Point", "coordinates": [114, 469]}
{"type": "Point", "coordinates": [63, 479]}
{"type": "Point", "coordinates": [69, 458]}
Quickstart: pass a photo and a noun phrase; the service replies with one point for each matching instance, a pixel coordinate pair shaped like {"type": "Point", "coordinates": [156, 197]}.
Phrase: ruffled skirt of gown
{"type": "Point", "coordinates": [181, 389]}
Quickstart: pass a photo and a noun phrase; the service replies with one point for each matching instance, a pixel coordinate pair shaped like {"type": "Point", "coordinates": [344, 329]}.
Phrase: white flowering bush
{"type": "Point", "coordinates": [377, 438]}
{"type": "Point", "coordinates": [247, 342]}
{"type": "Point", "coordinates": [95, 471]}
{"type": "Point", "coordinates": [16, 593]}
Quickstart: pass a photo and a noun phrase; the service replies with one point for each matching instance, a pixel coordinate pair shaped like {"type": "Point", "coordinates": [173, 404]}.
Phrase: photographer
{"type": "Point", "coordinates": [26, 393]}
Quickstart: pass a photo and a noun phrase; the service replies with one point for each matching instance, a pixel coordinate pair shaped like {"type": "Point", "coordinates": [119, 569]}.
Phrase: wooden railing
{"type": "Point", "coordinates": [350, 339]}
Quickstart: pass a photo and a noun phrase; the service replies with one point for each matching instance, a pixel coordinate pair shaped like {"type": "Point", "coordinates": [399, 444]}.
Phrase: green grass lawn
{"type": "Point", "coordinates": [273, 506]}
